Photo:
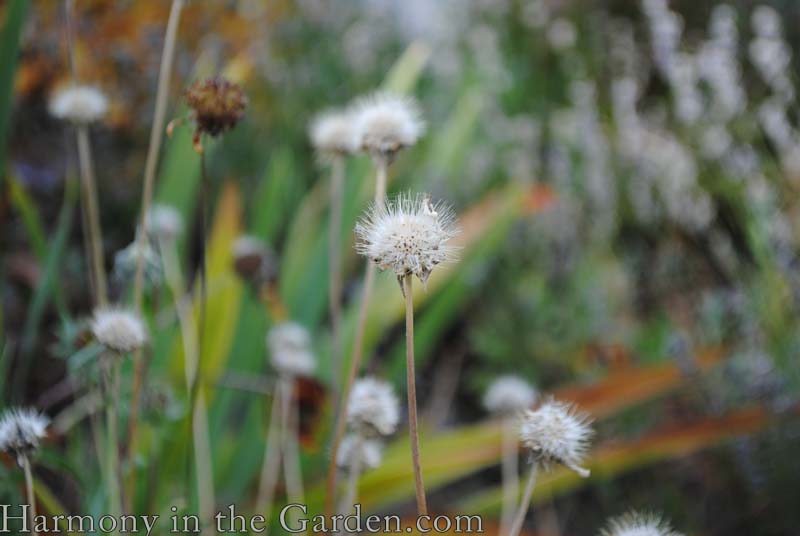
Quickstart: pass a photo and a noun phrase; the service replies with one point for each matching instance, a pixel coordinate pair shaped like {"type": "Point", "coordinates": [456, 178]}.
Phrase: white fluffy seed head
{"type": "Point", "coordinates": [164, 223]}
{"type": "Point", "coordinates": [408, 235]}
{"type": "Point", "coordinates": [79, 104]}
{"type": "Point", "coordinates": [368, 452]}
{"type": "Point", "coordinates": [333, 132]}
{"type": "Point", "coordinates": [385, 123]}
{"type": "Point", "coordinates": [289, 345]}
{"type": "Point", "coordinates": [119, 330]}
{"type": "Point", "coordinates": [21, 429]}
{"type": "Point", "coordinates": [556, 432]}
{"type": "Point", "coordinates": [638, 524]}
{"type": "Point", "coordinates": [509, 394]}
{"type": "Point", "coordinates": [373, 407]}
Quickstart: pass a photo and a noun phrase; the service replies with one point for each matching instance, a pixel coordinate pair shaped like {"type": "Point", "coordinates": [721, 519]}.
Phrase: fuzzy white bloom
{"type": "Point", "coordinates": [368, 452]}
{"type": "Point", "coordinates": [79, 104]}
{"type": "Point", "coordinates": [21, 429]}
{"type": "Point", "coordinates": [125, 261]}
{"type": "Point", "coordinates": [164, 222]}
{"type": "Point", "coordinates": [561, 34]}
{"type": "Point", "coordinates": [557, 433]}
{"type": "Point", "coordinates": [638, 524]}
{"type": "Point", "coordinates": [289, 346]}
{"type": "Point", "coordinates": [386, 123]}
{"type": "Point", "coordinates": [407, 234]}
{"type": "Point", "coordinates": [373, 407]}
{"type": "Point", "coordinates": [509, 394]}
{"type": "Point", "coordinates": [333, 132]}
{"type": "Point", "coordinates": [247, 246]}
{"type": "Point", "coordinates": [119, 330]}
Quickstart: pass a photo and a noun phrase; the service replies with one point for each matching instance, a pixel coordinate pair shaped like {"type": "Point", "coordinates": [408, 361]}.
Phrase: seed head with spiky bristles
{"type": "Point", "coordinates": [408, 235]}
{"type": "Point", "coordinates": [79, 104]}
{"type": "Point", "coordinates": [119, 330]}
{"type": "Point", "coordinates": [289, 345]}
{"type": "Point", "coordinates": [509, 394]}
{"type": "Point", "coordinates": [638, 524]}
{"type": "Point", "coordinates": [333, 133]}
{"type": "Point", "coordinates": [21, 430]}
{"type": "Point", "coordinates": [556, 432]}
{"type": "Point", "coordinates": [164, 223]}
{"type": "Point", "coordinates": [368, 452]}
{"type": "Point", "coordinates": [125, 262]}
{"type": "Point", "coordinates": [373, 407]}
{"type": "Point", "coordinates": [385, 123]}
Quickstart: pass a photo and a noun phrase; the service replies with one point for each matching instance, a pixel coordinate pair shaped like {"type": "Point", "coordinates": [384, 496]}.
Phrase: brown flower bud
{"type": "Point", "coordinates": [217, 105]}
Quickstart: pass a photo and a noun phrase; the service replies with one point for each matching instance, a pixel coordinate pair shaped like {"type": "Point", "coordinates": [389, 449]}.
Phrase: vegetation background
{"type": "Point", "coordinates": [659, 290]}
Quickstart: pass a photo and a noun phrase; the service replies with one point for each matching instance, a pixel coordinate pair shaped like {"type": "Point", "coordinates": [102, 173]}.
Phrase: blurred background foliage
{"type": "Point", "coordinates": [630, 243]}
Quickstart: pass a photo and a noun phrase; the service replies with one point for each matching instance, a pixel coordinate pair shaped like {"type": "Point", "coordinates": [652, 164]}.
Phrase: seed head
{"type": "Point", "coordinates": [125, 263]}
{"type": "Point", "coordinates": [407, 234]}
{"type": "Point", "coordinates": [217, 106]}
{"type": "Point", "coordinates": [253, 260]}
{"type": "Point", "coordinates": [332, 133]}
{"type": "Point", "coordinates": [385, 123]}
{"type": "Point", "coordinates": [79, 104]}
{"type": "Point", "coordinates": [21, 429]}
{"type": "Point", "coordinates": [557, 433]}
{"type": "Point", "coordinates": [289, 345]}
{"type": "Point", "coordinates": [509, 394]}
{"type": "Point", "coordinates": [373, 407]}
{"type": "Point", "coordinates": [638, 524]}
{"type": "Point", "coordinates": [368, 452]}
{"type": "Point", "coordinates": [164, 223]}
{"type": "Point", "coordinates": [119, 330]}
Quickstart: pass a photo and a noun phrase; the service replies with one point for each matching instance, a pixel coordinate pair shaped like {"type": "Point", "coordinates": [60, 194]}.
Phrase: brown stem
{"type": "Point", "coordinates": [156, 136]}
{"type": "Point", "coordinates": [26, 468]}
{"type": "Point", "coordinates": [413, 432]}
{"type": "Point", "coordinates": [526, 501]}
{"type": "Point", "coordinates": [381, 172]}
{"type": "Point", "coordinates": [291, 449]}
{"type": "Point", "coordinates": [89, 188]}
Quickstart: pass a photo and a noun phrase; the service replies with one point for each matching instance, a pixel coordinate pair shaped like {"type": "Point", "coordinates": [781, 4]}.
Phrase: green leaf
{"type": "Point", "coordinates": [16, 12]}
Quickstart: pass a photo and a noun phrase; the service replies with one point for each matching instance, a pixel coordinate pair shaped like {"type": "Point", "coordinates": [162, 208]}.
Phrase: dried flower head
{"type": "Point", "coordinates": [21, 429]}
{"type": "Point", "coordinates": [373, 407]}
{"type": "Point", "coordinates": [163, 223]}
{"type": "Point", "coordinates": [407, 234]}
{"type": "Point", "coordinates": [217, 106]}
{"type": "Point", "coordinates": [253, 260]}
{"type": "Point", "coordinates": [557, 433]}
{"type": "Point", "coordinates": [119, 330]}
{"type": "Point", "coordinates": [333, 133]}
{"type": "Point", "coordinates": [289, 345]}
{"type": "Point", "coordinates": [509, 394]}
{"type": "Point", "coordinates": [638, 524]}
{"type": "Point", "coordinates": [125, 263]}
{"type": "Point", "coordinates": [385, 123]}
{"type": "Point", "coordinates": [79, 104]}
{"type": "Point", "coordinates": [368, 452]}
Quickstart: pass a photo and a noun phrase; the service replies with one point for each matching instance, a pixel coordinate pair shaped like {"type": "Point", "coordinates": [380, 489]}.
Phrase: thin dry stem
{"type": "Point", "coordinates": [351, 495]}
{"type": "Point", "coordinates": [381, 173]}
{"type": "Point", "coordinates": [291, 448]}
{"type": "Point", "coordinates": [413, 432]}
{"type": "Point", "coordinates": [26, 468]}
{"type": "Point", "coordinates": [189, 335]}
{"type": "Point", "coordinates": [89, 187]}
{"type": "Point", "coordinates": [519, 519]}
{"type": "Point", "coordinates": [202, 455]}
{"type": "Point", "coordinates": [510, 473]}
{"type": "Point", "coordinates": [272, 458]}
{"type": "Point", "coordinates": [335, 269]}
{"type": "Point", "coordinates": [113, 472]}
